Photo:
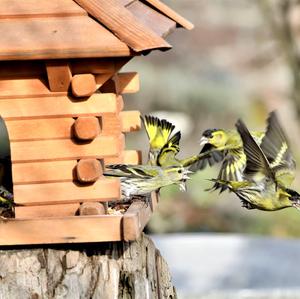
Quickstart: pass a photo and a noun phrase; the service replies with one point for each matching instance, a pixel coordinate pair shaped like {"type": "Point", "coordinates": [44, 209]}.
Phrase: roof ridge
{"type": "Point", "coordinates": [124, 24]}
{"type": "Point", "coordinates": [172, 14]}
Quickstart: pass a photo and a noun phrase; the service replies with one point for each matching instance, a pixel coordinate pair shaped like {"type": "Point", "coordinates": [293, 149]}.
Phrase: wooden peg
{"type": "Point", "coordinates": [88, 170]}
{"type": "Point", "coordinates": [87, 128]}
{"type": "Point", "coordinates": [92, 208]}
{"type": "Point", "coordinates": [83, 85]}
{"type": "Point", "coordinates": [59, 75]}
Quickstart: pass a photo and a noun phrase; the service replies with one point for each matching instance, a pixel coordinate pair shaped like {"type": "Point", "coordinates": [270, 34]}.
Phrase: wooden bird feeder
{"type": "Point", "coordinates": [62, 105]}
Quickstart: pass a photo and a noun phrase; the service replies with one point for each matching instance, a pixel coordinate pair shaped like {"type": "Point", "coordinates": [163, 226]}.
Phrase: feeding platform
{"type": "Point", "coordinates": [62, 108]}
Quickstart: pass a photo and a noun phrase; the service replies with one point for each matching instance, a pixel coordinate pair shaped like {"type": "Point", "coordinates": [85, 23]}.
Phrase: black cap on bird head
{"type": "Point", "coordinates": [294, 198]}
{"type": "Point", "coordinates": [208, 133]}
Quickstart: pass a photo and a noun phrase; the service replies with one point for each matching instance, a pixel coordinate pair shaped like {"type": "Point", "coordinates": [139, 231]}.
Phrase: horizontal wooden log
{"type": "Point", "coordinates": [63, 210]}
{"type": "Point", "coordinates": [88, 170]}
{"type": "Point", "coordinates": [62, 128]}
{"type": "Point", "coordinates": [25, 88]}
{"type": "Point", "coordinates": [60, 230]}
{"type": "Point", "coordinates": [83, 85]}
{"type": "Point", "coordinates": [66, 192]}
{"type": "Point", "coordinates": [127, 157]}
{"type": "Point", "coordinates": [36, 68]}
{"type": "Point", "coordinates": [65, 149]}
{"type": "Point", "coordinates": [61, 171]}
{"type": "Point", "coordinates": [87, 128]}
{"type": "Point", "coordinates": [62, 106]}
{"type": "Point", "coordinates": [59, 75]}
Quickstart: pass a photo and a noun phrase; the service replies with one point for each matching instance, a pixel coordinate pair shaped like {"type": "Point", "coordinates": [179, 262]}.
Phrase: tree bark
{"type": "Point", "coordinates": [102, 270]}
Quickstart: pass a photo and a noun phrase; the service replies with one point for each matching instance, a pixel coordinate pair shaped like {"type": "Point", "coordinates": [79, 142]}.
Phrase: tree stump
{"type": "Point", "coordinates": [100, 271]}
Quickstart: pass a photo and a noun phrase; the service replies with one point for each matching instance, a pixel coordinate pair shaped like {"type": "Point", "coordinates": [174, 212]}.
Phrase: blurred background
{"type": "Point", "coordinates": [241, 60]}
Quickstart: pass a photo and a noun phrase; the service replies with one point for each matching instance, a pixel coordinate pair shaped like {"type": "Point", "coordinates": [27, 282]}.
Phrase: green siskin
{"type": "Point", "coordinates": [143, 179]}
{"type": "Point", "coordinates": [158, 132]}
{"type": "Point", "coordinates": [227, 146]}
{"type": "Point", "coordinates": [163, 148]}
{"type": "Point", "coordinates": [260, 188]}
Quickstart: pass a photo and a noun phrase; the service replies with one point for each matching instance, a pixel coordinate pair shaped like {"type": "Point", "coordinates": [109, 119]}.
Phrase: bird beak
{"type": "Point", "coordinates": [203, 140]}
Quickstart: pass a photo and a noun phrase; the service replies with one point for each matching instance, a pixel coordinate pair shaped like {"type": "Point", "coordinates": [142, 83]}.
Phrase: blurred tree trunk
{"type": "Point", "coordinates": [284, 26]}
{"type": "Point", "coordinates": [103, 270]}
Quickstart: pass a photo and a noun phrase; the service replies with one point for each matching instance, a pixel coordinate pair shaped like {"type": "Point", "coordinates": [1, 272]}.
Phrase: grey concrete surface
{"type": "Point", "coordinates": [214, 266]}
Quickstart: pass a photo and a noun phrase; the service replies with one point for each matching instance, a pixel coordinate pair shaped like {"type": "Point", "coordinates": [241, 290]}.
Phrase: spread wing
{"type": "Point", "coordinates": [210, 159]}
{"type": "Point", "coordinates": [158, 131]}
{"type": "Point", "coordinates": [257, 165]}
{"type": "Point", "coordinates": [276, 148]}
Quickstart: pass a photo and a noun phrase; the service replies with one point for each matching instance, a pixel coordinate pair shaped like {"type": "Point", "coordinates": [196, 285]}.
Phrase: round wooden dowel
{"type": "Point", "coordinates": [92, 208]}
{"type": "Point", "coordinates": [88, 170]}
{"type": "Point", "coordinates": [83, 85]}
{"type": "Point", "coordinates": [87, 128]}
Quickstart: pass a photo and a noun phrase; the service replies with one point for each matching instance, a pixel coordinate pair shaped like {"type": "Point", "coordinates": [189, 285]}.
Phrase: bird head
{"type": "Point", "coordinates": [179, 175]}
{"type": "Point", "coordinates": [215, 137]}
{"type": "Point", "coordinates": [294, 198]}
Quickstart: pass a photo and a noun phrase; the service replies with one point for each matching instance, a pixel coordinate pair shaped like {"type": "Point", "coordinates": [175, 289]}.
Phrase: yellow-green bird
{"type": "Point", "coordinates": [143, 179]}
{"type": "Point", "coordinates": [260, 188]}
{"type": "Point", "coordinates": [163, 149]}
{"type": "Point", "coordinates": [158, 132]}
{"type": "Point", "coordinates": [227, 146]}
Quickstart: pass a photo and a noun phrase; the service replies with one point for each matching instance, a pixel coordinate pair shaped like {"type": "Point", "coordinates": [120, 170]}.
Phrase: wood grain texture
{"type": "Point", "coordinates": [92, 208]}
{"type": "Point", "coordinates": [25, 88]}
{"type": "Point", "coordinates": [62, 171]}
{"type": "Point", "coordinates": [59, 75]}
{"type": "Point", "coordinates": [63, 128]}
{"type": "Point", "coordinates": [65, 149]}
{"type": "Point", "coordinates": [83, 85]}
{"type": "Point", "coordinates": [37, 9]}
{"type": "Point", "coordinates": [43, 172]}
{"type": "Point", "coordinates": [160, 6]}
{"type": "Point", "coordinates": [121, 83]}
{"type": "Point", "coordinates": [123, 24]}
{"type": "Point", "coordinates": [158, 22]}
{"type": "Point", "coordinates": [88, 170]}
{"type": "Point", "coordinates": [137, 216]}
{"type": "Point", "coordinates": [36, 68]}
{"type": "Point", "coordinates": [130, 121]}
{"type": "Point", "coordinates": [39, 129]}
{"type": "Point", "coordinates": [63, 210]}
{"type": "Point", "coordinates": [72, 37]}
{"type": "Point", "coordinates": [66, 192]}
{"type": "Point", "coordinates": [87, 128]}
{"type": "Point", "coordinates": [61, 106]}
{"type": "Point", "coordinates": [60, 230]}
{"type": "Point", "coordinates": [128, 82]}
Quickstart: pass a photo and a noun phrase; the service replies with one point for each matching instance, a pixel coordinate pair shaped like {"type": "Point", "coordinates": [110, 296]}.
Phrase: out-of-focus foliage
{"type": "Point", "coordinates": [229, 66]}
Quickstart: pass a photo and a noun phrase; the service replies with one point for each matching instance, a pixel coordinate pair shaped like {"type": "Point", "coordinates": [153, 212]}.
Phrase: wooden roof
{"type": "Point", "coordinates": [47, 29]}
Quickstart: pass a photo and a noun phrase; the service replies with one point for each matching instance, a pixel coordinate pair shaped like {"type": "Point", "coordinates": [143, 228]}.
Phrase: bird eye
{"type": "Point", "coordinates": [179, 171]}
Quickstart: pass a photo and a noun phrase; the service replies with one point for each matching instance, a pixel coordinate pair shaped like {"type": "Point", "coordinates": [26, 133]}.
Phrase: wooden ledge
{"type": "Point", "coordinates": [77, 229]}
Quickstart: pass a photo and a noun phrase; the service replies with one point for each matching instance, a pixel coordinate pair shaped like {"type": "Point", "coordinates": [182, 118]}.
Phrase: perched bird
{"type": "Point", "coordinates": [227, 146]}
{"type": "Point", "coordinates": [143, 179]}
{"type": "Point", "coordinates": [260, 188]}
